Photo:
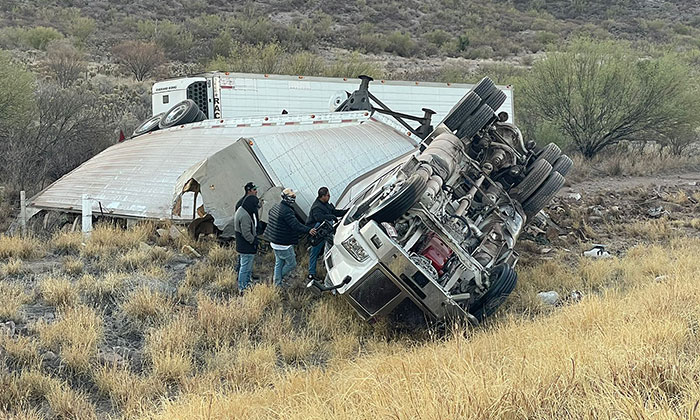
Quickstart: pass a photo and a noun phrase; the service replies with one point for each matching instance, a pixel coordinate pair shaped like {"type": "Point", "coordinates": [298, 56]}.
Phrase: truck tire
{"type": "Point", "coordinates": [181, 113]}
{"type": "Point", "coordinates": [550, 153]}
{"type": "Point", "coordinates": [497, 98]}
{"type": "Point", "coordinates": [535, 177]}
{"type": "Point", "coordinates": [476, 122]}
{"type": "Point", "coordinates": [484, 88]}
{"type": "Point", "coordinates": [562, 165]}
{"type": "Point", "coordinates": [462, 110]}
{"type": "Point", "coordinates": [149, 125]}
{"type": "Point", "coordinates": [503, 281]}
{"type": "Point", "coordinates": [200, 117]}
{"type": "Point", "coordinates": [543, 195]}
{"type": "Point", "coordinates": [396, 205]}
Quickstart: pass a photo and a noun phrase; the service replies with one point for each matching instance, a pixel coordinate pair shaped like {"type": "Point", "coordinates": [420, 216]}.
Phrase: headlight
{"type": "Point", "coordinates": [355, 249]}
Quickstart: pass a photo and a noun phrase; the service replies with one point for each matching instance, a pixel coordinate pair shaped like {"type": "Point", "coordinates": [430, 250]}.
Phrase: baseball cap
{"type": "Point", "coordinates": [250, 186]}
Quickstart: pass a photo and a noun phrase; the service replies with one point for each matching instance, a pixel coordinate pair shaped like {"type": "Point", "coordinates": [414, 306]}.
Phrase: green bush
{"type": "Point", "coordinates": [401, 43]}
{"type": "Point", "coordinates": [82, 28]}
{"type": "Point", "coordinates": [599, 94]}
{"type": "Point", "coordinates": [39, 37]}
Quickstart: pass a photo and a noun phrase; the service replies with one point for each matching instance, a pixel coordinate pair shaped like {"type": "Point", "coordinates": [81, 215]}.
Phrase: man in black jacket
{"type": "Point", "coordinates": [321, 210]}
{"type": "Point", "coordinates": [283, 230]}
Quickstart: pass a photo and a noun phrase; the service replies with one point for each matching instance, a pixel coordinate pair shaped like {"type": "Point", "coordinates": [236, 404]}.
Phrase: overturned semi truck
{"type": "Point", "coordinates": [433, 235]}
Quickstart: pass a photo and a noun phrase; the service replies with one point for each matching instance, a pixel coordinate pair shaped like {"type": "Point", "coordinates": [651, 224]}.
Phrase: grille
{"type": "Point", "coordinates": [197, 91]}
{"type": "Point", "coordinates": [375, 292]}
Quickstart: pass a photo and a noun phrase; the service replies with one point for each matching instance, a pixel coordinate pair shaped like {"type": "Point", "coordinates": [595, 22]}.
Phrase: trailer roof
{"type": "Point", "coordinates": [137, 178]}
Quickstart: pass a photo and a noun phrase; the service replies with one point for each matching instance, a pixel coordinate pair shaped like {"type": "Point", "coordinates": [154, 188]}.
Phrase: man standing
{"type": "Point", "coordinates": [283, 230]}
{"type": "Point", "coordinates": [250, 189]}
{"type": "Point", "coordinates": [321, 210]}
{"type": "Point", "coordinates": [246, 222]}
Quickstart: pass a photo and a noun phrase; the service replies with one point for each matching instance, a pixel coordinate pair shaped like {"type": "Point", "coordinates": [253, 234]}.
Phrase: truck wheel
{"type": "Point", "coordinates": [394, 206]}
{"type": "Point", "coordinates": [462, 110]}
{"type": "Point", "coordinates": [200, 117]}
{"type": "Point", "coordinates": [149, 125]}
{"type": "Point", "coordinates": [503, 280]}
{"type": "Point", "coordinates": [562, 165]}
{"type": "Point", "coordinates": [497, 98]}
{"type": "Point", "coordinates": [484, 88]}
{"type": "Point", "coordinates": [476, 122]}
{"type": "Point", "coordinates": [543, 195]}
{"type": "Point", "coordinates": [184, 112]}
{"type": "Point", "coordinates": [537, 175]}
{"type": "Point", "coordinates": [550, 153]}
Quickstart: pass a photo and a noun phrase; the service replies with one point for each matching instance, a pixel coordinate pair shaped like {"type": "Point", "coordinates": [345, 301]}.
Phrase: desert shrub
{"type": "Point", "coordinates": [39, 37]}
{"type": "Point", "coordinates": [602, 93]}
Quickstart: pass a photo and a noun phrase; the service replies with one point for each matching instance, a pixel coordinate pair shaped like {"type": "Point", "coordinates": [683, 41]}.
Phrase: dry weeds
{"type": "Point", "coordinates": [76, 334]}
{"type": "Point", "coordinates": [618, 354]}
{"type": "Point", "coordinates": [59, 291]}
{"type": "Point", "coordinates": [17, 247]}
{"type": "Point", "coordinates": [12, 297]}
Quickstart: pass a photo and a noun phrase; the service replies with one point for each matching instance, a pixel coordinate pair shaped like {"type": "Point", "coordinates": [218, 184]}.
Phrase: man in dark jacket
{"type": "Point", "coordinates": [321, 210]}
{"type": "Point", "coordinates": [245, 222]}
{"type": "Point", "coordinates": [283, 230]}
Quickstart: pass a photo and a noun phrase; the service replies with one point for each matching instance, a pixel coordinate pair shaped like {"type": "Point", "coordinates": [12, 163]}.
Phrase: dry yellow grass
{"type": "Point", "coordinates": [127, 391]}
{"type": "Point", "coordinates": [76, 333]}
{"type": "Point", "coordinates": [59, 291]}
{"type": "Point", "coordinates": [67, 242]}
{"type": "Point", "coordinates": [67, 403]}
{"type": "Point", "coordinates": [13, 267]}
{"type": "Point", "coordinates": [146, 306]}
{"type": "Point", "coordinates": [98, 289]}
{"type": "Point", "coordinates": [21, 351]}
{"type": "Point", "coordinates": [628, 352]}
{"type": "Point", "coordinates": [72, 266]}
{"type": "Point", "coordinates": [222, 256]}
{"type": "Point", "coordinates": [17, 247]}
{"type": "Point", "coordinates": [12, 297]}
{"type": "Point", "coordinates": [170, 348]}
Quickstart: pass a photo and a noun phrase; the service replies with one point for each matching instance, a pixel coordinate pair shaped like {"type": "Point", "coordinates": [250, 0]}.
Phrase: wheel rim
{"type": "Point", "coordinates": [176, 113]}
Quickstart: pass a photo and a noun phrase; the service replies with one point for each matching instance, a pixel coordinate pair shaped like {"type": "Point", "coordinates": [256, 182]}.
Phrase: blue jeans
{"type": "Point", "coordinates": [245, 271]}
{"type": "Point", "coordinates": [313, 257]}
{"type": "Point", "coordinates": [285, 262]}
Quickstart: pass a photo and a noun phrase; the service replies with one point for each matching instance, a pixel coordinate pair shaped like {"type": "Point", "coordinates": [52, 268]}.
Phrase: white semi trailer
{"type": "Point", "coordinates": [222, 95]}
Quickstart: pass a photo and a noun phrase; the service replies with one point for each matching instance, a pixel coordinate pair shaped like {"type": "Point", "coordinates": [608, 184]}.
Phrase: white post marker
{"type": "Point", "coordinates": [87, 215]}
{"type": "Point", "coordinates": [23, 212]}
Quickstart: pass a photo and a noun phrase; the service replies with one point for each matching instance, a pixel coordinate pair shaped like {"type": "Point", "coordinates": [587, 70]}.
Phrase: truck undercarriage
{"type": "Point", "coordinates": [434, 236]}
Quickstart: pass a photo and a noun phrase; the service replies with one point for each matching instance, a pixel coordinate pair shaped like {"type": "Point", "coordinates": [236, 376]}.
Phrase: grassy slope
{"type": "Point", "coordinates": [630, 354]}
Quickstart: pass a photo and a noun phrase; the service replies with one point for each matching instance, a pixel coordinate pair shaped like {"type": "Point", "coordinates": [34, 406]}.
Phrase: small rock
{"type": "Point", "coordinates": [174, 232]}
{"type": "Point", "coordinates": [656, 212]}
{"type": "Point", "coordinates": [549, 298]}
{"type": "Point", "coordinates": [545, 250]}
{"type": "Point", "coordinates": [659, 279]}
{"type": "Point", "coordinates": [49, 356]}
{"type": "Point", "coordinates": [597, 211]}
{"type": "Point", "coordinates": [576, 296]}
{"type": "Point", "coordinates": [191, 251]}
{"type": "Point", "coordinates": [111, 358]}
{"type": "Point", "coordinates": [693, 183]}
{"type": "Point", "coordinates": [8, 328]}
{"type": "Point", "coordinates": [574, 196]}
{"type": "Point", "coordinates": [144, 247]}
{"type": "Point", "coordinates": [163, 233]}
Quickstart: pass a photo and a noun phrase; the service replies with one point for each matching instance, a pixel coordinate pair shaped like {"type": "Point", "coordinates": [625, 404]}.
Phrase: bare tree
{"type": "Point", "coordinates": [139, 58]}
{"type": "Point", "coordinates": [65, 63]}
{"type": "Point", "coordinates": [601, 93]}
